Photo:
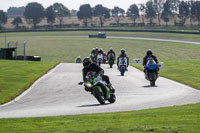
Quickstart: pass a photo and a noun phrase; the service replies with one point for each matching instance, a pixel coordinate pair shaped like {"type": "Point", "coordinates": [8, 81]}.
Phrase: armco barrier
{"type": "Point", "coordinates": [113, 30]}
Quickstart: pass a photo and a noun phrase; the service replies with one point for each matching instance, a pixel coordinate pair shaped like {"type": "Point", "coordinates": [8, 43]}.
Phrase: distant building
{"type": "Point", "coordinates": [73, 12]}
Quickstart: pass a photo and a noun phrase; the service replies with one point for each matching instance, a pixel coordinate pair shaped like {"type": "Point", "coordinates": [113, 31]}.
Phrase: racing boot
{"type": "Point", "coordinates": [112, 90]}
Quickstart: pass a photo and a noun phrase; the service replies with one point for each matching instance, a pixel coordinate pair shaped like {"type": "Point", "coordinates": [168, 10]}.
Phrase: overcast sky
{"type": "Point", "coordinates": [71, 4]}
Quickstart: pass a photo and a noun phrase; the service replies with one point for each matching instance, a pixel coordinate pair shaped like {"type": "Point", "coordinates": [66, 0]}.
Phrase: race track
{"type": "Point", "coordinates": [58, 93]}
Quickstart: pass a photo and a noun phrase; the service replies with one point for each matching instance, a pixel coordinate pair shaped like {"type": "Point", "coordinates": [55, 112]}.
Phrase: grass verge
{"type": "Point", "coordinates": [181, 64]}
{"type": "Point", "coordinates": [17, 76]}
{"type": "Point", "coordinates": [177, 119]}
{"type": "Point", "coordinates": [193, 37]}
{"type": "Point", "coordinates": [186, 72]}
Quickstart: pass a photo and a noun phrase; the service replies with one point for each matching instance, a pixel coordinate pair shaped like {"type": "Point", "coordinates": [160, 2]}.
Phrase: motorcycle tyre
{"type": "Point", "coordinates": [98, 96]}
{"type": "Point", "coordinates": [153, 79]}
{"type": "Point", "coordinates": [122, 73]}
{"type": "Point", "coordinates": [112, 98]}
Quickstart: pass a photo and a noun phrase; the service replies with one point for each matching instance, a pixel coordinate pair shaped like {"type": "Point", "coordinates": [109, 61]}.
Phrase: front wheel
{"type": "Point", "coordinates": [99, 63]}
{"type": "Point", "coordinates": [110, 65]}
{"type": "Point", "coordinates": [152, 77]}
{"type": "Point", "coordinates": [152, 83]}
{"type": "Point", "coordinates": [122, 73]}
{"type": "Point", "coordinates": [112, 98]}
{"type": "Point", "coordinates": [99, 96]}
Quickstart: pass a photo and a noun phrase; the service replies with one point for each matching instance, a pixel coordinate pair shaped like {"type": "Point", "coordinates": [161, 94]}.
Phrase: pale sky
{"type": "Point", "coordinates": [70, 4]}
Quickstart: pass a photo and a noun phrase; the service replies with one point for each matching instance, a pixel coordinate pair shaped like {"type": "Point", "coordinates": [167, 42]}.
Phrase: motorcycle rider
{"type": "Point", "coordinates": [78, 60]}
{"type": "Point", "coordinates": [123, 54]}
{"type": "Point", "coordinates": [111, 51]}
{"type": "Point", "coordinates": [89, 66]}
{"type": "Point", "coordinates": [93, 51]}
{"type": "Point", "coordinates": [100, 51]}
{"type": "Point", "coordinates": [105, 58]}
{"type": "Point", "coordinates": [93, 54]}
{"type": "Point", "coordinates": [149, 53]}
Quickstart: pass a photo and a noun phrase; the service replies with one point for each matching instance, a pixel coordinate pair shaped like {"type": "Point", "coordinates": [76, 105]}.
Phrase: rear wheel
{"type": "Point", "coordinates": [99, 96]}
{"type": "Point", "coordinates": [112, 98]}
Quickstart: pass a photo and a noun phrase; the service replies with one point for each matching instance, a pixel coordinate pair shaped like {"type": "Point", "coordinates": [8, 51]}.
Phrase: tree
{"type": "Point", "coordinates": [17, 21]}
{"type": "Point", "coordinates": [158, 5]}
{"type": "Point", "coordinates": [3, 18]}
{"type": "Point", "coordinates": [50, 15]}
{"type": "Point", "coordinates": [101, 12]}
{"type": "Point", "coordinates": [195, 11]}
{"type": "Point", "coordinates": [117, 13]}
{"type": "Point", "coordinates": [133, 12]}
{"type": "Point", "coordinates": [15, 11]}
{"type": "Point", "coordinates": [142, 10]}
{"type": "Point", "coordinates": [166, 14]}
{"type": "Point", "coordinates": [150, 11]}
{"type": "Point", "coordinates": [34, 12]}
{"type": "Point", "coordinates": [184, 12]}
{"type": "Point", "coordinates": [174, 8]}
{"type": "Point", "coordinates": [61, 11]}
{"type": "Point", "coordinates": [85, 13]}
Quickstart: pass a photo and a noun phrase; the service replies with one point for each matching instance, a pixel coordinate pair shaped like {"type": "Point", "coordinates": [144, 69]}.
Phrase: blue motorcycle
{"type": "Point", "coordinates": [151, 71]}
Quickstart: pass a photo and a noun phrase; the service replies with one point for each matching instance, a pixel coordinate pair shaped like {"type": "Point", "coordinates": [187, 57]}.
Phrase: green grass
{"type": "Point", "coordinates": [182, 63]}
{"type": "Point", "coordinates": [184, 71]}
{"type": "Point", "coordinates": [58, 48]}
{"type": "Point", "coordinates": [86, 33]}
{"type": "Point", "coordinates": [17, 76]}
{"type": "Point", "coordinates": [177, 119]}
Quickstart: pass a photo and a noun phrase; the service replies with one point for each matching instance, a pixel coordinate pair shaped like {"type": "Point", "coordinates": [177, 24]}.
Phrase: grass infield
{"type": "Point", "coordinates": [182, 63]}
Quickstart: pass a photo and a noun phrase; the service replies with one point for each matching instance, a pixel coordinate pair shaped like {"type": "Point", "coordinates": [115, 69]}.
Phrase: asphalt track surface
{"type": "Point", "coordinates": [58, 93]}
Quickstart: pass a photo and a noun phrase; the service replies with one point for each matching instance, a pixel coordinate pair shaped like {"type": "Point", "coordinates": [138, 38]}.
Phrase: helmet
{"type": "Point", "coordinates": [123, 51]}
{"type": "Point", "coordinates": [111, 49]}
{"type": "Point", "coordinates": [93, 49]}
{"type": "Point", "coordinates": [96, 49]}
{"type": "Point", "coordinates": [87, 61]}
{"type": "Point", "coordinates": [149, 52]}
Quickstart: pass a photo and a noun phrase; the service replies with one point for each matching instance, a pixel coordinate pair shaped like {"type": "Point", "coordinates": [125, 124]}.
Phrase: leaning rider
{"type": "Point", "coordinates": [89, 66]}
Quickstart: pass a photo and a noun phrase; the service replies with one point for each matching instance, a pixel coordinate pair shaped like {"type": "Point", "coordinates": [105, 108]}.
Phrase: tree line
{"type": "Point", "coordinates": [162, 9]}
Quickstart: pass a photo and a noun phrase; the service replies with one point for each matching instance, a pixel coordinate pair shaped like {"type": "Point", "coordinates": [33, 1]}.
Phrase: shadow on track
{"type": "Point", "coordinates": [93, 105]}
{"type": "Point", "coordinates": [147, 86]}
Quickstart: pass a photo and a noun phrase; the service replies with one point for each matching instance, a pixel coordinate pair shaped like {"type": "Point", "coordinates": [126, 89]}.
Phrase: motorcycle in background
{"type": "Point", "coordinates": [111, 59]}
{"type": "Point", "coordinates": [99, 59]}
{"type": "Point", "coordinates": [104, 57]}
{"type": "Point", "coordinates": [92, 56]}
{"type": "Point", "coordinates": [151, 71]}
{"type": "Point", "coordinates": [122, 66]}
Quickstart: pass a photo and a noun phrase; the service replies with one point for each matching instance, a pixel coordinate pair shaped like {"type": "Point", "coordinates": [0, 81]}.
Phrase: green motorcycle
{"type": "Point", "coordinates": [98, 88]}
{"type": "Point", "coordinates": [111, 59]}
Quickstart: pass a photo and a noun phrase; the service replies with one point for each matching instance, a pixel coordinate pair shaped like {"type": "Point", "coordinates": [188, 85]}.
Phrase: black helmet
{"type": "Point", "coordinates": [123, 51]}
{"type": "Point", "coordinates": [149, 52]}
{"type": "Point", "coordinates": [87, 61]}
